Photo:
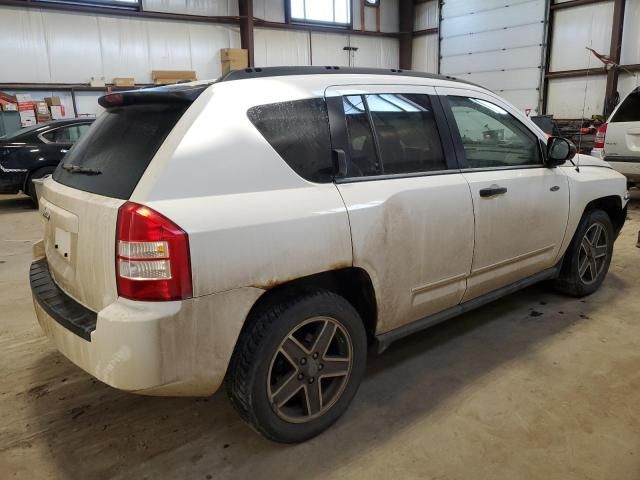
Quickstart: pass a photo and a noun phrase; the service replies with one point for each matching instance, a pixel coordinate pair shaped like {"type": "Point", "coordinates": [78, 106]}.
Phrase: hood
{"type": "Point", "coordinates": [589, 161]}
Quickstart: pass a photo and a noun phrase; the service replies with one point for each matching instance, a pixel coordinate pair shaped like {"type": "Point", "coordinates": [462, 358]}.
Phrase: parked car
{"type": "Point", "coordinates": [34, 152]}
{"type": "Point", "coordinates": [618, 140]}
{"type": "Point", "coordinates": [271, 227]}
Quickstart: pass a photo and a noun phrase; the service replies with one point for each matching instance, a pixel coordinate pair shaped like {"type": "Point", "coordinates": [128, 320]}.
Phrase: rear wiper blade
{"type": "Point", "coordinates": [78, 169]}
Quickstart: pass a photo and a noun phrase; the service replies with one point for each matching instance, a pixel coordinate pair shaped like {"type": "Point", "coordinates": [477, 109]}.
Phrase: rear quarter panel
{"type": "Point", "coordinates": [251, 220]}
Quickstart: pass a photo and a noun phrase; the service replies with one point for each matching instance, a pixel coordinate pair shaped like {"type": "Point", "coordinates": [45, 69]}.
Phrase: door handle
{"type": "Point", "coordinates": [492, 191]}
{"type": "Point", "coordinates": [339, 162]}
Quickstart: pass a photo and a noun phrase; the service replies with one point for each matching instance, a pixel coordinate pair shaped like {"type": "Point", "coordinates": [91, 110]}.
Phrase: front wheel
{"type": "Point", "coordinates": [588, 257]}
{"type": "Point", "coordinates": [298, 365]}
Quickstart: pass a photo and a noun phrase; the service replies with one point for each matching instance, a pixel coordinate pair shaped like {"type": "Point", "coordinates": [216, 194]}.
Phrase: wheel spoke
{"type": "Point", "coordinates": [600, 251]}
{"type": "Point", "coordinates": [582, 268]}
{"type": "Point", "coordinates": [323, 340]}
{"type": "Point", "coordinates": [334, 367]}
{"type": "Point", "coordinates": [586, 244]}
{"type": "Point", "coordinates": [596, 234]}
{"type": "Point", "coordinates": [593, 267]}
{"type": "Point", "coordinates": [286, 389]}
{"type": "Point", "coordinates": [293, 350]}
{"type": "Point", "coordinates": [313, 395]}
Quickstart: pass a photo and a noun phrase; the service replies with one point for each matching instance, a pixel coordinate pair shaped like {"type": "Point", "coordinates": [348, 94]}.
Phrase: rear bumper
{"type": "Point", "coordinates": [627, 166]}
{"type": "Point", "coordinates": [12, 181]}
{"type": "Point", "coordinates": [179, 348]}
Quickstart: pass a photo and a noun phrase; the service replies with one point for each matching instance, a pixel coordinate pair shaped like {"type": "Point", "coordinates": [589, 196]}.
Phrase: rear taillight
{"type": "Point", "coordinates": [602, 132]}
{"type": "Point", "coordinates": [152, 256]}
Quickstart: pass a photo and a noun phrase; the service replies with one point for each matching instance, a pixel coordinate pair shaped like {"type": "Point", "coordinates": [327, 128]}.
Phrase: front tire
{"type": "Point", "coordinates": [588, 257]}
{"type": "Point", "coordinates": [297, 365]}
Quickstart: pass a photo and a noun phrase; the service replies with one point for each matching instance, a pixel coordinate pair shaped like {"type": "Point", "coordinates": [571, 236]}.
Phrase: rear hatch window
{"type": "Point", "coordinates": [629, 111]}
{"type": "Point", "coordinates": [112, 157]}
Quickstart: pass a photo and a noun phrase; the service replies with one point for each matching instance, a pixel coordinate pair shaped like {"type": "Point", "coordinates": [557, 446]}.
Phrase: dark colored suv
{"type": "Point", "coordinates": [35, 152]}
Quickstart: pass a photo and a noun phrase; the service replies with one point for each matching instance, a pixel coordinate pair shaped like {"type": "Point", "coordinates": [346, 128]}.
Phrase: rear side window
{"type": "Point", "coordinates": [629, 110]}
{"type": "Point", "coordinates": [69, 134]}
{"type": "Point", "coordinates": [299, 132]}
{"type": "Point", "coordinates": [112, 157]}
{"type": "Point", "coordinates": [404, 138]}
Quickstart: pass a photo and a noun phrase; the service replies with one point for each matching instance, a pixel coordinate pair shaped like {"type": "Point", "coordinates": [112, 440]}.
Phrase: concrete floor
{"type": "Point", "coordinates": [534, 386]}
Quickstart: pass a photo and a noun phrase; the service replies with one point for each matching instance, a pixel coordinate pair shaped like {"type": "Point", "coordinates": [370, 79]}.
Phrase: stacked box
{"type": "Point", "coordinates": [25, 108]}
{"type": "Point", "coordinates": [233, 59]}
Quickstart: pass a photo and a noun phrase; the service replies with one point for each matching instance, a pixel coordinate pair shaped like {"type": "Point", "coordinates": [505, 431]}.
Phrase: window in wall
{"type": "Point", "coordinates": [492, 137]}
{"type": "Point", "coordinates": [329, 12]}
{"type": "Point", "coordinates": [404, 138]}
{"type": "Point", "coordinates": [129, 4]}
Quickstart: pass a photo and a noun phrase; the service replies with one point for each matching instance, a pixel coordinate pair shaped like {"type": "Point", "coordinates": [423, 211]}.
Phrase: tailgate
{"type": "Point", "coordinates": [79, 241]}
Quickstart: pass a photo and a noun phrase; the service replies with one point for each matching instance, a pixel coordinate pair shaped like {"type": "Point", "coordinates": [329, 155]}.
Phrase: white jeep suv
{"type": "Point", "coordinates": [265, 230]}
{"type": "Point", "coordinates": [618, 140]}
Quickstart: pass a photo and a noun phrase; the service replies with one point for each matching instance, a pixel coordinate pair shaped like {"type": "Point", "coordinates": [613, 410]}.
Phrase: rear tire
{"type": "Point", "coordinates": [297, 365]}
{"type": "Point", "coordinates": [588, 257]}
{"type": "Point", "coordinates": [31, 189]}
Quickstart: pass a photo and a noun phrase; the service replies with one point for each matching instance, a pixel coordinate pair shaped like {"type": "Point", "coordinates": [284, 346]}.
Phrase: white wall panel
{"type": "Point", "coordinates": [631, 33]}
{"type": "Point", "coordinates": [377, 52]}
{"type": "Point", "coordinates": [193, 7]}
{"type": "Point", "coordinates": [169, 46]}
{"type": "Point", "coordinates": [426, 15]}
{"type": "Point", "coordinates": [328, 49]}
{"type": "Point", "coordinates": [566, 96]}
{"type": "Point", "coordinates": [424, 54]}
{"type": "Point", "coordinates": [577, 28]}
{"type": "Point", "coordinates": [52, 47]}
{"type": "Point", "coordinates": [87, 103]}
{"type": "Point", "coordinates": [205, 44]}
{"type": "Point", "coordinates": [270, 10]}
{"type": "Point", "coordinates": [495, 43]}
{"type": "Point", "coordinates": [513, 58]}
{"type": "Point", "coordinates": [125, 51]}
{"type": "Point", "coordinates": [527, 12]}
{"type": "Point", "coordinates": [497, 81]}
{"type": "Point", "coordinates": [459, 8]}
{"type": "Point", "coordinates": [73, 47]}
{"type": "Point", "coordinates": [281, 47]}
{"type": "Point", "coordinates": [23, 48]}
{"type": "Point", "coordinates": [509, 37]}
{"type": "Point", "coordinates": [389, 21]}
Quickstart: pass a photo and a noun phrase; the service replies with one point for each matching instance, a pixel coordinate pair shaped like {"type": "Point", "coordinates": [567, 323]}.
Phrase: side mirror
{"type": "Point", "coordinates": [559, 150]}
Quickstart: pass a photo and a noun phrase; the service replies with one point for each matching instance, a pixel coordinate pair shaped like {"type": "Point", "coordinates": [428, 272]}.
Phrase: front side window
{"type": "Point", "coordinates": [392, 134]}
{"type": "Point", "coordinates": [329, 12]}
{"type": "Point", "coordinates": [492, 137]}
{"type": "Point", "coordinates": [299, 132]}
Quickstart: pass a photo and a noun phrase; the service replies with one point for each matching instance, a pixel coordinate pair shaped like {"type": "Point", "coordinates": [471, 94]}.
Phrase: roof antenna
{"type": "Point", "coordinates": [584, 104]}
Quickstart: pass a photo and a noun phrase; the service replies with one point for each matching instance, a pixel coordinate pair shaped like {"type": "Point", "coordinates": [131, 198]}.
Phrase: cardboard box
{"type": "Point", "coordinates": [227, 66]}
{"type": "Point", "coordinates": [41, 107]}
{"type": "Point", "coordinates": [51, 101]}
{"type": "Point", "coordinates": [166, 77]}
{"type": "Point", "coordinates": [235, 55]}
{"type": "Point", "coordinates": [124, 82]}
{"type": "Point", "coordinates": [57, 112]}
{"type": "Point", "coordinates": [27, 118]}
{"type": "Point", "coordinates": [7, 106]}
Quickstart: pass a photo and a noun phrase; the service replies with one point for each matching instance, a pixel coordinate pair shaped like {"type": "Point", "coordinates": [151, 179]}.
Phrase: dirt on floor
{"type": "Point", "coordinates": [534, 386]}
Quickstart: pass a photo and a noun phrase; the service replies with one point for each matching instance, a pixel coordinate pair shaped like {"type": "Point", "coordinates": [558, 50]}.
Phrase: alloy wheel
{"type": "Point", "coordinates": [310, 369]}
{"type": "Point", "coordinates": [594, 249]}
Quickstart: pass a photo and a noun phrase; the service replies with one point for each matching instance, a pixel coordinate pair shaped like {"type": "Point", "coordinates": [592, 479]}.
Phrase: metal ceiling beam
{"type": "Point", "coordinates": [406, 14]}
{"type": "Point", "coordinates": [614, 52]}
{"type": "Point", "coordinates": [245, 9]}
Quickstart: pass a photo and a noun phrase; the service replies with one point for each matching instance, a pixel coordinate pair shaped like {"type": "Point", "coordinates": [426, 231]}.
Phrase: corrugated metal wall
{"type": "Point", "coordinates": [45, 46]}
{"type": "Point", "coordinates": [424, 53]}
{"type": "Point", "coordinates": [496, 44]}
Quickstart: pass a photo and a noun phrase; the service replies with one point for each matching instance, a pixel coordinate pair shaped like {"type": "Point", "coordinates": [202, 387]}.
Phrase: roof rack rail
{"type": "Point", "coordinates": [262, 72]}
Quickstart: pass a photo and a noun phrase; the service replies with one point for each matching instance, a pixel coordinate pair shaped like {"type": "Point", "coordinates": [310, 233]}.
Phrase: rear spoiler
{"type": "Point", "coordinates": [169, 94]}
